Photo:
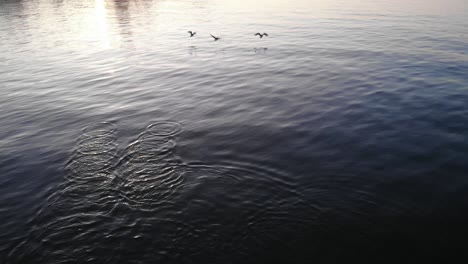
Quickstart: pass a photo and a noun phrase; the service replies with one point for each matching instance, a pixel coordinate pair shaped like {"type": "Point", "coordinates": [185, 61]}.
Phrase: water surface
{"type": "Point", "coordinates": [340, 137]}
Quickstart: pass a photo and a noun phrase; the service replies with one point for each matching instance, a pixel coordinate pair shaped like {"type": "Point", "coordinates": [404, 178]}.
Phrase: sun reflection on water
{"type": "Point", "coordinates": [100, 17]}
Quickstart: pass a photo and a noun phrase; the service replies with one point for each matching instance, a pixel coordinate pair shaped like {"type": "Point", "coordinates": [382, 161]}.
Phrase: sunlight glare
{"type": "Point", "coordinates": [101, 22]}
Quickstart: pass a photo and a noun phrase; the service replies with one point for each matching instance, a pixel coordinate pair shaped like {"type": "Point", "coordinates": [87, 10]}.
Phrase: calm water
{"type": "Point", "coordinates": [342, 136]}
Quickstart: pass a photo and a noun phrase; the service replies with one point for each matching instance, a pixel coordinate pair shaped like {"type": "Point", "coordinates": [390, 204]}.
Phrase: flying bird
{"type": "Point", "coordinates": [215, 38]}
{"type": "Point", "coordinates": [192, 33]}
{"type": "Point", "coordinates": [261, 35]}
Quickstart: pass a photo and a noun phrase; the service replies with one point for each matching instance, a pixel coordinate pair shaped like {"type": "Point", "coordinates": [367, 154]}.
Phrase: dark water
{"type": "Point", "coordinates": [343, 136]}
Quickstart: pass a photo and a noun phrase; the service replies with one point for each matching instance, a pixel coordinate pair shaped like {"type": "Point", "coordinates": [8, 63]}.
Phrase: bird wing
{"type": "Point", "coordinates": [258, 34]}
{"type": "Point", "coordinates": [213, 36]}
{"type": "Point", "coordinates": [265, 34]}
{"type": "Point", "coordinates": [189, 32]}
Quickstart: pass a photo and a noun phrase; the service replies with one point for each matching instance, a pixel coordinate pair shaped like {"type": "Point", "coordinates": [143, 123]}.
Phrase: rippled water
{"type": "Point", "coordinates": [340, 137]}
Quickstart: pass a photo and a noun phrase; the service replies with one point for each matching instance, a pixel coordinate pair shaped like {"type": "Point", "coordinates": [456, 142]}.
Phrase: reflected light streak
{"type": "Point", "coordinates": [101, 22]}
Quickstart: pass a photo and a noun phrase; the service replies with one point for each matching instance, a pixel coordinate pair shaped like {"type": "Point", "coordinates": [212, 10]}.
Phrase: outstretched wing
{"type": "Point", "coordinates": [190, 32]}
{"type": "Point", "coordinates": [258, 34]}
{"type": "Point", "coordinates": [265, 34]}
{"type": "Point", "coordinates": [213, 36]}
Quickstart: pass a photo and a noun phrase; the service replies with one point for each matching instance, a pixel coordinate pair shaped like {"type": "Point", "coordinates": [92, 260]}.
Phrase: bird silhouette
{"type": "Point", "coordinates": [192, 33]}
{"type": "Point", "coordinates": [215, 38]}
{"type": "Point", "coordinates": [261, 35]}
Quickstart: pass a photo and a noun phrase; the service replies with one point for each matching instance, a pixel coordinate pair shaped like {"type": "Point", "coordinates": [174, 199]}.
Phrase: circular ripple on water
{"type": "Point", "coordinates": [148, 173]}
{"type": "Point", "coordinates": [78, 212]}
{"type": "Point", "coordinates": [99, 129]}
{"type": "Point", "coordinates": [97, 144]}
{"type": "Point", "coordinates": [238, 211]}
{"type": "Point", "coordinates": [95, 153]}
{"type": "Point", "coordinates": [164, 128]}
{"type": "Point", "coordinates": [150, 146]}
{"type": "Point", "coordinates": [80, 208]}
{"type": "Point", "coordinates": [78, 235]}
{"type": "Point", "coordinates": [97, 138]}
{"type": "Point", "coordinates": [85, 167]}
{"type": "Point", "coordinates": [150, 190]}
